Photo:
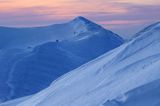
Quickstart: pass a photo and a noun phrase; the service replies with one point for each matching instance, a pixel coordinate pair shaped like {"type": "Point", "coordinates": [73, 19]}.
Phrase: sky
{"type": "Point", "coordinates": [124, 17]}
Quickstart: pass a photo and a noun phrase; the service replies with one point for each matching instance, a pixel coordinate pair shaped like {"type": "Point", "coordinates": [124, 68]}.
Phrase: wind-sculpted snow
{"type": "Point", "coordinates": [27, 71]}
{"type": "Point", "coordinates": [126, 76]}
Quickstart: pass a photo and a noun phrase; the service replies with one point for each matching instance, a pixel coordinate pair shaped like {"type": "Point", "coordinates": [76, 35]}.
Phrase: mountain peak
{"type": "Point", "coordinates": [82, 23]}
{"type": "Point", "coordinates": [80, 18]}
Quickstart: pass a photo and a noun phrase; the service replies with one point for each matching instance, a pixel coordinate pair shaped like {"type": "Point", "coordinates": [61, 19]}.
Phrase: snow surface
{"type": "Point", "coordinates": [22, 70]}
{"type": "Point", "coordinates": [116, 78]}
{"type": "Point", "coordinates": [147, 95]}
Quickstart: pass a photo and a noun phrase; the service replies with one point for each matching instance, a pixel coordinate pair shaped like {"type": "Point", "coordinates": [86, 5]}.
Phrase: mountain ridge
{"type": "Point", "coordinates": [27, 37]}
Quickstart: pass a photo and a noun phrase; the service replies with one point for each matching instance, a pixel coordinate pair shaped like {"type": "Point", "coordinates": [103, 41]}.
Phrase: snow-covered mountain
{"type": "Point", "coordinates": [29, 37]}
{"type": "Point", "coordinates": [126, 76]}
{"type": "Point", "coordinates": [27, 68]}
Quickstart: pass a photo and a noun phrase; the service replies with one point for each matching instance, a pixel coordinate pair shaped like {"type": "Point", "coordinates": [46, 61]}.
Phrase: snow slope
{"type": "Point", "coordinates": [109, 79]}
{"type": "Point", "coordinates": [7, 58]}
{"type": "Point", "coordinates": [147, 95]}
{"type": "Point", "coordinates": [22, 70]}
